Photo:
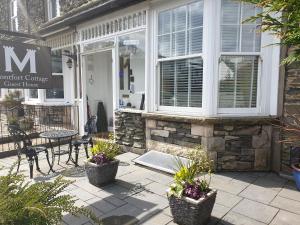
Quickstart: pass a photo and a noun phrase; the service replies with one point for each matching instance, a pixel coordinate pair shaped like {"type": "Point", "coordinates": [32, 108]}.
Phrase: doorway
{"type": "Point", "coordinates": [98, 85]}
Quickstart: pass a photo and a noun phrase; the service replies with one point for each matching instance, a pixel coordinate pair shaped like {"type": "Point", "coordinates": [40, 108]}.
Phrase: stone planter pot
{"type": "Point", "coordinates": [296, 175]}
{"type": "Point", "coordinates": [100, 175]}
{"type": "Point", "coordinates": [187, 211]}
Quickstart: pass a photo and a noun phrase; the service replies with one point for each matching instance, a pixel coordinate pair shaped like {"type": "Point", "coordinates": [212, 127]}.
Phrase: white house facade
{"type": "Point", "coordinates": [172, 75]}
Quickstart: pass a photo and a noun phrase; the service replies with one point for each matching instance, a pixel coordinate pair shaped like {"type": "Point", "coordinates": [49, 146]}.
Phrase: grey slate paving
{"type": "Point", "coordinates": [243, 198]}
{"type": "Point", "coordinates": [286, 218]}
{"type": "Point", "coordinates": [255, 210]}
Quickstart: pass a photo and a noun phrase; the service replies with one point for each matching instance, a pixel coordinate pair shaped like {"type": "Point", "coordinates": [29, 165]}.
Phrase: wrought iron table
{"type": "Point", "coordinates": [59, 135]}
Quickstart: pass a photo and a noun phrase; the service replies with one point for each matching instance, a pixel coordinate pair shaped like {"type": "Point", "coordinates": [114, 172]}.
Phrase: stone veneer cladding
{"type": "Point", "coordinates": [233, 146]}
{"type": "Point", "coordinates": [130, 131]}
{"type": "Point", "coordinates": [291, 106]}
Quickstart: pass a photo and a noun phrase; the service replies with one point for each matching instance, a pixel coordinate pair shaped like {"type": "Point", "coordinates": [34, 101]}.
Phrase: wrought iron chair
{"type": "Point", "coordinates": [86, 139]}
{"type": "Point", "coordinates": [23, 144]}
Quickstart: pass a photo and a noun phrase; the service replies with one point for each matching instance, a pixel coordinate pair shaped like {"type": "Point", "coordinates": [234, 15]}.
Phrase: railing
{"type": "Point", "coordinates": [35, 120]}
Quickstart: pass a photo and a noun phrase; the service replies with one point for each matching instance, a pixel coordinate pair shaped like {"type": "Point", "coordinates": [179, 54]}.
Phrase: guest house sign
{"type": "Point", "coordinates": [26, 66]}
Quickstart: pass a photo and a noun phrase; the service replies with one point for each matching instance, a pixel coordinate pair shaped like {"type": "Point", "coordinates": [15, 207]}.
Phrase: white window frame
{"type": "Point", "coordinates": [50, 16]}
{"type": "Point", "coordinates": [253, 110]}
{"type": "Point", "coordinates": [14, 21]}
{"type": "Point", "coordinates": [267, 93]}
{"type": "Point", "coordinates": [176, 109]}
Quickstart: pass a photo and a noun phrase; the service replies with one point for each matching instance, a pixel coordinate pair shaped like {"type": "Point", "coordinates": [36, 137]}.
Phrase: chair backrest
{"type": "Point", "coordinates": [90, 126]}
{"type": "Point", "coordinates": [19, 136]}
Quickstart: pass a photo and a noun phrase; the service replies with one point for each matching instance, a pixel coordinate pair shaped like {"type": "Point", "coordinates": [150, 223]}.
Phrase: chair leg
{"type": "Point", "coordinates": [48, 160]}
{"type": "Point", "coordinates": [19, 162]}
{"type": "Point", "coordinates": [86, 151]}
{"type": "Point", "coordinates": [31, 162]}
{"type": "Point", "coordinates": [36, 158]}
{"type": "Point", "coordinates": [76, 154]}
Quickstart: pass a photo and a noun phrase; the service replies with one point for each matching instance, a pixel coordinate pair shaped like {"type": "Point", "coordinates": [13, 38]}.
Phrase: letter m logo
{"type": "Point", "coordinates": [11, 55]}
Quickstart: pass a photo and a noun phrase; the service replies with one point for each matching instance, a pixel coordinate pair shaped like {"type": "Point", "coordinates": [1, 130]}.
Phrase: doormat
{"type": "Point", "coordinates": [160, 161]}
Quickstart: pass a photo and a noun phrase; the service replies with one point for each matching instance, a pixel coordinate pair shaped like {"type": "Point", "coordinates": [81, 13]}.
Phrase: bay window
{"type": "Point", "coordinates": [239, 63]}
{"type": "Point", "coordinates": [180, 56]}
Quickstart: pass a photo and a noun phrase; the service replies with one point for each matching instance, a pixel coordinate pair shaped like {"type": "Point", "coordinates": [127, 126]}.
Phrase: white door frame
{"type": "Point", "coordinates": [83, 104]}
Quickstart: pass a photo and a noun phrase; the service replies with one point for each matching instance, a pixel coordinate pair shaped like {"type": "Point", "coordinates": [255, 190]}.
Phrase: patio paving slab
{"type": "Point", "coordinates": [227, 199]}
{"type": "Point", "coordinates": [290, 192]}
{"type": "Point", "coordinates": [238, 219]}
{"type": "Point", "coordinates": [139, 195]}
{"type": "Point", "coordinates": [258, 193]}
{"type": "Point", "coordinates": [286, 204]}
{"type": "Point", "coordinates": [286, 218]}
{"type": "Point", "coordinates": [255, 210]}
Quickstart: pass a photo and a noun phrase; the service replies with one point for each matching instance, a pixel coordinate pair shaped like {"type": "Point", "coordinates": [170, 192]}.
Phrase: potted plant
{"type": "Point", "coordinates": [295, 164]}
{"type": "Point", "coordinates": [102, 168]}
{"type": "Point", "coordinates": [190, 198]}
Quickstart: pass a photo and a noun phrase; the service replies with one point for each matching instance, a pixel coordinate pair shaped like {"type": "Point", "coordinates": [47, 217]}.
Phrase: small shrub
{"type": "Point", "coordinates": [185, 182]}
{"type": "Point", "coordinates": [106, 148]}
{"type": "Point", "coordinates": [41, 203]}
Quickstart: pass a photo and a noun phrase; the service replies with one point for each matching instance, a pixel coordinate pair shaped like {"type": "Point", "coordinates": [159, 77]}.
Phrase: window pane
{"type": "Point", "coordinates": [230, 12]}
{"type": "Point", "coordinates": [179, 19]}
{"type": "Point", "coordinates": [53, 8]}
{"type": "Point", "coordinates": [164, 23]}
{"type": "Point", "coordinates": [56, 61]}
{"type": "Point", "coordinates": [132, 70]}
{"type": "Point", "coordinates": [167, 83]}
{"type": "Point", "coordinates": [33, 93]}
{"type": "Point", "coordinates": [238, 81]}
{"type": "Point", "coordinates": [181, 83]}
{"type": "Point", "coordinates": [179, 44]}
{"type": "Point", "coordinates": [196, 78]}
{"type": "Point", "coordinates": [180, 31]}
{"type": "Point", "coordinates": [248, 38]}
{"type": "Point", "coordinates": [230, 38]}
{"type": "Point", "coordinates": [196, 14]}
{"type": "Point", "coordinates": [55, 93]}
{"type": "Point", "coordinates": [164, 46]}
{"type": "Point", "coordinates": [237, 36]}
{"type": "Point", "coordinates": [195, 41]}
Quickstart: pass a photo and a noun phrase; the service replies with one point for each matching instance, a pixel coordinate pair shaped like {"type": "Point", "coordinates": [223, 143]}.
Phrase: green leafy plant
{"type": "Point", "coordinates": [12, 99]}
{"type": "Point", "coordinates": [281, 18]}
{"type": "Point", "coordinates": [42, 203]}
{"type": "Point", "coordinates": [107, 147]}
{"type": "Point", "coordinates": [185, 182]}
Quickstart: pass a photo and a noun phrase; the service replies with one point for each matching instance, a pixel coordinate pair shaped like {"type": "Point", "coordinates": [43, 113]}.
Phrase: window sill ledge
{"type": "Point", "coordinates": [47, 103]}
{"type": "Point", "coordinates": [255, 119]}
{"type": "Point", "coordinates": [130, 110]}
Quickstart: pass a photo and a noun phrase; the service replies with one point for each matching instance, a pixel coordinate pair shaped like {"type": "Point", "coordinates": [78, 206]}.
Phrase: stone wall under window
{"type": "Point", "coordinates": [130, 131]}
{"type": "Point", "coordinates": [233, 145]}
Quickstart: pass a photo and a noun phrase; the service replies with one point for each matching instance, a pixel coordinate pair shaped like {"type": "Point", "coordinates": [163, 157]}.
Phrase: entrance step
{"type": "Point", "coordinates": [160, 161]}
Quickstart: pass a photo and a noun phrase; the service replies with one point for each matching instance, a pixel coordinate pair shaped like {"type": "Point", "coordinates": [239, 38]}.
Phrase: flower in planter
{"type": "Point", "coordinates": [185, 182]}
{"type": "Point", "coordinates": [100, 158]}
{"type": "Point", "coordinates": [105, 151]}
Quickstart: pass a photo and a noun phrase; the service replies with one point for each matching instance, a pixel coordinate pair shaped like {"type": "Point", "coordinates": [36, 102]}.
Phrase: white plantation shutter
{"type": "Point", "coordinates": [181, 83]}
{"type": "Point", "coordinates": [238, 72]}
{"type": "Point", "coordinates": [238, 81]}
{"type": "Point", "coordinates": [180, 35]}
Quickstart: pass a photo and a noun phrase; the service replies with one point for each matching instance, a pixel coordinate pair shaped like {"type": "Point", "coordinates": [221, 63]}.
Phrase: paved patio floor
{"type": "Point", "coordinates": [138, 196]}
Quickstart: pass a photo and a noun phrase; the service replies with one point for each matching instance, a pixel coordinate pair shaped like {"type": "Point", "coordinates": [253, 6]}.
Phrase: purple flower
{"type": "Point", "coordinates": [193, 191]}
{"type": "Point", "coordinates": [100, 159]}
